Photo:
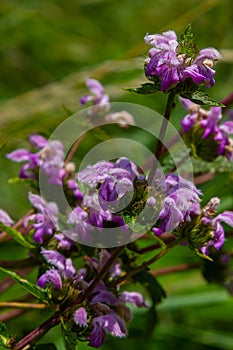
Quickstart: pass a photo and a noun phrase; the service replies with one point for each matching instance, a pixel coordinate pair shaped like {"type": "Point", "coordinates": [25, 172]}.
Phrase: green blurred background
{"type": "Point", "coordinates": [47, 50]}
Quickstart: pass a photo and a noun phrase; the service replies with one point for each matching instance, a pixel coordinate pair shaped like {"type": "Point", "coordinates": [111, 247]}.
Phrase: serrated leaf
{"type": "Point", "coordinates": [48, 346]}
{"type": "Point", "coordinates": [155, 290]}
{"type": "Point", "coordinates": [4, 336]}
{"type": "Point", "coordinates": [16, 235]}
{"type": "Point", "coordinates": [201, 98]}
{"type": "Point", "coordinates": [145, 89]}
{"type": "Point", "coordinates": [28, 286]}
{"type": "Point", "coordinates": [70, 338]}
{"type": "Point", "coordinates": [187, 42]}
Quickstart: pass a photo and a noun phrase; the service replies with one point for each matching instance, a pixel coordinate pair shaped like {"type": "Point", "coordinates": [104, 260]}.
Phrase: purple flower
{"type": "Point", "coordinates": [97, 216]}
{"type": "Point", "coordinates": [38, 141]}
{"type": "Point", "coordinates": [52, 277]}
{"type": "Point", "coordinates": [32, 160]}
{"type": "Point", "coordinates": [99, 100]}
{"type": "Point", "coordinates": [54, 258]}
{"type": "Point", "coordinates": [105, 297]}
{"type": "Point", "coordinates": [52, 162]}
{"type": "Point", "coordinates": [49, 157]}
{"type": "Point", "coordinates": [65, 266]}
{"type": "Point", "coordinates": [134, 298]}
{"type": "Point", "coordinates": [209, 122]}
{"type": "Point", "coordinates": [109, 323]}
{"type": "Point", "coordinates": [5, 218]}
{"type": "Point", "coordinates": [182, 201]}
{"type": "Point", "coordinates": [73, 186]}
{"type": "Point", "coordinates": [45, 222]}
{"type": "Point", "coordinates": [80, 317]}
{"type": "Point", "coordinates": [115, 270]}
{"type": "Point", "coordinates": [97, 337]}
{"type": "Point", "coordinates": [101, 105]}
{"type": "Point", "coordinates": [81, 228]}
{"type": "Point", "coordinates": [166, 62]}
{"type": "Point", "coordinates": [64, 243]}
{"type": "Point", "coordinates": [94, 174]}
{"type": "Point", "coordinates": [218, 236]}
{"type": "Point", "coordinates": [62, 269]}
{"type": "Point", "coordinates": [201, 69]}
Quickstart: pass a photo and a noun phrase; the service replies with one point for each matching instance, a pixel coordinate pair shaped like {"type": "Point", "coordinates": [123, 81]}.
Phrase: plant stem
{"type": "Point", "coordinates": [159, 146]}
{"type": "Point", "coordinates": [100, 275]}
{"type": "Point", "coordinates": [11, 314]}
{"type": "Point", "coordinates": [176, 268]}
{"type": "Point", "coordinates": [5, 237]}
{"type": "Point", "coordinates": [145, 264]}
{"type": "Point", "coordinates": [38, 332]}
{"type": "Point", "coordinates": [74, 149]}
{"type": "Point", "coordinates": [18, 305]}
{"type": "Point", "coordinates": [12, 264]}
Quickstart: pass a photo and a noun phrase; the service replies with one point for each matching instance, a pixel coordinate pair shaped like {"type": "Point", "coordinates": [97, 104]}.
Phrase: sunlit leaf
{"type": "Point", "coordinates": [201, 98]}
{"type": "Point", "coordinates": [4, 336]}
{"type": "Point", "coordinates": [145, 89]}
{"type": "Point", "coordinates": [16, 235]}
{"type": "Point", "coordinates": [69, 337]}
{"type": "Point", "coordinates": [28, 286]}
{"type": "Point", "coordinates": [187, 42]}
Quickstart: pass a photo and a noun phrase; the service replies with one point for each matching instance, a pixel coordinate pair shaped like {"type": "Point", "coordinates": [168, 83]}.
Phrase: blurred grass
{"type": "Point", "coordinates": [47, 50]}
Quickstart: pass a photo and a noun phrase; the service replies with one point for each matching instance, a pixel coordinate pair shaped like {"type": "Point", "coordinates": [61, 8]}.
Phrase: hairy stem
{"type": "Point", "coordinates": [176, 268]}
{"type": "Point", "coordinates": [5, 237]}
{"type": "Point", "coordinates": [159, 146]}
{"type": "Point", "coordinates": [145, 264]}
{"type": "Point", "coordinates": [11, 314]}
{"type": "Point", "coordinates": [38, 332]}
{"type": "Point", "coordinates": [100, 275]}
{"type": "Point", "coordinates": [74, 149]}
{"type": "Point", "coordinates": [12, 264]}
{"type": "Point", "coordinates": [18, 305]}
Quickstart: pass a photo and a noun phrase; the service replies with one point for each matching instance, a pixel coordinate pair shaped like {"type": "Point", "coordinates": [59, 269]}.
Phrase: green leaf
{"type": "Point", "coordinates": [155, 290]}
{"type": "Point", "coordinates": [150, 322]}
{"type": "Point", "coordinates": [187, 42]}
{"type": "Point", "coordinates": [145, 89]}
{"type": "Point", "coordinates": [157, 293]}
{"type": "Point", "coordinates": [48, 346]}
{"type": "Point", "coordinates": [16, 235]}
{"type": "Point", "coordinates": [219, 165]}
{"type": "Point", "coordinates": [30, 182]}
{"type": "Point", "coordinates": [200, 98]}
{"type": "Point", "coordinates": [4, 336]}
{"type": "Point", "coordinates": [28, 286]}
{"type": "Point", "coordinates": [70, 338]}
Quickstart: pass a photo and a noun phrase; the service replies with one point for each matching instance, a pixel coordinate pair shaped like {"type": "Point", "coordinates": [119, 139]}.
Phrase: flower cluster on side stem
{"type": "Point", "coordinates": [204, 132]}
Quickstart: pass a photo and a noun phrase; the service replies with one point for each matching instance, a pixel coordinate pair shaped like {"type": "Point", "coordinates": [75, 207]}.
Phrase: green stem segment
{"type": "Point", "coordinates": [18, 305]}
{"type": "Point", "coordinates": [144, 265]}
{"type": "Point", "coordinates": [159, 146]}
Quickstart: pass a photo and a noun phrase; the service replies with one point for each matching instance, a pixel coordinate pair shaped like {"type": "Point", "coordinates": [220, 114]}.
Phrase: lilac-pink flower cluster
{"type": "Point", "coordinates": [210, 122]}
{"type": "Point", "coordinates": [166, 62]}
{"type": "Point", "coordinates": [49, 158]}
{"type": "Point", "coordinates": [106, 311]}
{"type": "Point", "coordinates": [101, 108]}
